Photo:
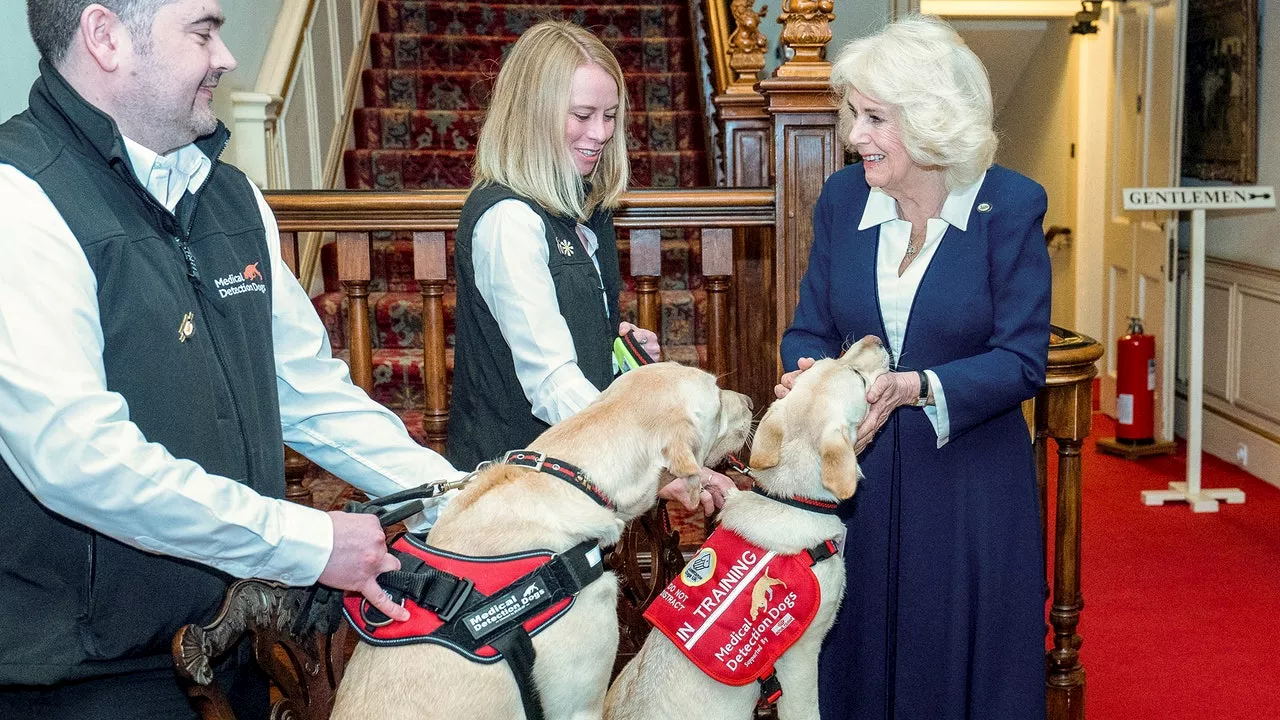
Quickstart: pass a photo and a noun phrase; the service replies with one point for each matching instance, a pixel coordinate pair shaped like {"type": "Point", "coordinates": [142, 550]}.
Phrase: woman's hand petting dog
{"type": "Point", "coordinates": [787, 381]}
{"type": "Point", "coordinates": [715, 487]}
{"type": "Point", "coordinates": [889, 392]}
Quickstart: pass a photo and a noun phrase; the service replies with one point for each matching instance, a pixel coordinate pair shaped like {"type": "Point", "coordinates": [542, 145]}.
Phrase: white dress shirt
{"type": "Point", "coordinates": [70, 441]}
{"type": "Point", "coordinates": [897, 293]}
{"type": "Point", "coordinates": [509, 253]}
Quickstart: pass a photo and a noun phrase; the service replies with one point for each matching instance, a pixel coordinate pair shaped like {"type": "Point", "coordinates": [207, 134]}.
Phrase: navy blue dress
{"type": "Point", "coordinates": [944, 611]}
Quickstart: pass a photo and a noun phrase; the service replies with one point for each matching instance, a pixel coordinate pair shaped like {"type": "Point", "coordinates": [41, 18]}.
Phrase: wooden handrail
{"type": "Point", "coordinates": [363, 211]}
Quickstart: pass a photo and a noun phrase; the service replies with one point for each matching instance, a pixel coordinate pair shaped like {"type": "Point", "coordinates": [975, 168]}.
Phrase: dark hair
{"type": "Point", "coordinates": [53, 23]}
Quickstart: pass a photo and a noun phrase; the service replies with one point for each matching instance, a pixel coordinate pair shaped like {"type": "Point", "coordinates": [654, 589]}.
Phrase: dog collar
{"type": "Point", "coordinates": [822, 507]}
{"type": "Point", "coordinates": [561, 469]}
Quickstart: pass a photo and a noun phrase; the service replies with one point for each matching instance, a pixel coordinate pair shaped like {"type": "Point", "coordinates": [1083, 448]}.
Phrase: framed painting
{"type": "Point", "coordinates": [1220, 91]}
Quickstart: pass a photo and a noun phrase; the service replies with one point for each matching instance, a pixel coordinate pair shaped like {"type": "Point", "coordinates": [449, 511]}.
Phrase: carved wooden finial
{"type": "Point", "coordinates": [747, 46]}
{"type": "Point", "coordinates": [806, 30]}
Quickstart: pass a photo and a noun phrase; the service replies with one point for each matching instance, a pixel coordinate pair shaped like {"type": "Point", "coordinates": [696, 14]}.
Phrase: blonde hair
{"type": "Point", "coordinates": [922, 67]}
{"type": "Point", "coordinates": [522, 143]}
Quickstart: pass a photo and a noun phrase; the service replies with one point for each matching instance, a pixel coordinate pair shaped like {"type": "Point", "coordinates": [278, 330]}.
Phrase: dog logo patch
{"type": "Point", "coordinates": [251, 272]}
{"type": "Point", "coordinates": [700, 568]}
{"type": "Point", "coordinates": [736, 608]}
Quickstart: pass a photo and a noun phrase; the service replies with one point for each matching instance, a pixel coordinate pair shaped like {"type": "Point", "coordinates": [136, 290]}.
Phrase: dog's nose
{"type": "Point", "coordinates": [871, 340]}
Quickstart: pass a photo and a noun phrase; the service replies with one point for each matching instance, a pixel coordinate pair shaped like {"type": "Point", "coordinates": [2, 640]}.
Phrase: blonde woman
{"type": "Point", "coordinates": [929, 246]}
{"type": "Point", "coordinates": [536, 255]}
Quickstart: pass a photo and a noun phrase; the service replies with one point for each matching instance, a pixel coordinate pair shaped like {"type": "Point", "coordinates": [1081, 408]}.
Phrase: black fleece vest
{"type": "Point", "coordinates": [75, 603]}
{"type": "Point", "coordinates": [489, 413]}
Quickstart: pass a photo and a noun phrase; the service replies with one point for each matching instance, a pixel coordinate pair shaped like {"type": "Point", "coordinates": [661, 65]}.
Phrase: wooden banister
{"type": "Point", "coordinates": [365, 211]}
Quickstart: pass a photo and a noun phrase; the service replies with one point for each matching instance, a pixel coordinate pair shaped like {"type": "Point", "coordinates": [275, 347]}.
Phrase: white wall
{"type": "Point", "coordinates": [1037, 128]}
{"type": "Point", "coordinates": [18, 70]}
{"type": "Point", "coordinates": [248, 28]}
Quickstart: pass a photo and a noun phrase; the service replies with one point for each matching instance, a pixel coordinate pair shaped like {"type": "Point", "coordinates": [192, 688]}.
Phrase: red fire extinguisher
{"type": "Point", "coordinates": [1135, 386]}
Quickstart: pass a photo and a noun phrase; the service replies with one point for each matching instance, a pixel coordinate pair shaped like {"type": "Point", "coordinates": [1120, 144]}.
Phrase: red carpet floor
{"type": "Point", "coordinates": [1182, 610]}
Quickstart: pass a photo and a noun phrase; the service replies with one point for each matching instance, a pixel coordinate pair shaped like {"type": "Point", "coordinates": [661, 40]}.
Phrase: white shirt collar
{"type": "Point", "coordinates": [168, 177]}
{"type": "Point", "coordinates": [881, 208]}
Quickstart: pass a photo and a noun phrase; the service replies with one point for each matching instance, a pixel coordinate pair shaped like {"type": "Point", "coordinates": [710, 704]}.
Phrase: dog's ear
{"type": "Point", "coordinates": [680, 455]}
{"type": "Point", "coordinates": [766, 449]}
{"type": "Point", "coordinates": [839, 462]}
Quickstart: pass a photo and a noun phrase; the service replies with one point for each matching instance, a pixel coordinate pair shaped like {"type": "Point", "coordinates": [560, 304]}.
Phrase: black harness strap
{"type": "Point", "coordinates": [517, 647]}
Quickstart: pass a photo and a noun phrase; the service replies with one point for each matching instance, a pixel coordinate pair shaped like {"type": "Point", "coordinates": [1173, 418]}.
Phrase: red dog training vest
{"type": "Point", "coordinates": [735, 608]}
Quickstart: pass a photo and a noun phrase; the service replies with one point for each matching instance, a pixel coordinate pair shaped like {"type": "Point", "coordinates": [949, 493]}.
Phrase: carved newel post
{"type": "Point", "coordinates": [747, 135]}
{"type": "Point", "coordinates": [806, 146]}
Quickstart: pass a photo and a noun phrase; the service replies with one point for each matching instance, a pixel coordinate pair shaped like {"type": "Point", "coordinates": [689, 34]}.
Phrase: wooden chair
{"type": "Point", "coordinates": [305, 670]}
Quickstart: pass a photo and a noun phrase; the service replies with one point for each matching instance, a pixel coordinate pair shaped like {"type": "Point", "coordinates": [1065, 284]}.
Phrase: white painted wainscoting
{"type": "Point", "coordinates": [1242, 365]}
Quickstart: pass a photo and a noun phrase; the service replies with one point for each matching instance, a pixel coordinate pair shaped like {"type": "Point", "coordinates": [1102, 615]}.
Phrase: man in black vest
{"type": "Point", "coordinates": [154, 354]}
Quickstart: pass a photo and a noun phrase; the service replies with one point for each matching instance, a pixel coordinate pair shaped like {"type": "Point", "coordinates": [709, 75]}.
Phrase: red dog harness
{"type": "Point", "coordinates": [484, 608]}
{"type": "Point", "coordinates": [736, 608]}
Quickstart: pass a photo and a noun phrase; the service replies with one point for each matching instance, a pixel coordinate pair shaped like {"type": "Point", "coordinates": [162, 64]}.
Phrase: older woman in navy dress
{"type": "Point", "coordinates": [941, 254]}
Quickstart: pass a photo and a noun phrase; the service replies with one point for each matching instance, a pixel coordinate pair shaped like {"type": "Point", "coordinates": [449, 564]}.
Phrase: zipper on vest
{"type": "Point", "coordinates": [193, 276]}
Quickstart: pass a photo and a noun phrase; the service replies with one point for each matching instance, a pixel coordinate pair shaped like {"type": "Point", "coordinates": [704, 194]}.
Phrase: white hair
{"type": "Point", "coordinates": [922, 67]}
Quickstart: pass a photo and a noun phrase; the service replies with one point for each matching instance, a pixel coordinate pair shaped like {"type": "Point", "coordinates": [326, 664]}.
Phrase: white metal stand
{"type": "Point", "coordinates": [1190, 492]}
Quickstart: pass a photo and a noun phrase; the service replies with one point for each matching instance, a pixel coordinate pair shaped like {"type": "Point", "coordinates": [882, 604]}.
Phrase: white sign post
{"type": "Point", "coordinates": [1197, 200]}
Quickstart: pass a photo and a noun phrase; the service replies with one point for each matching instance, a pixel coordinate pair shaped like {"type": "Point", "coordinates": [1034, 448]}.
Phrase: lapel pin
{"type": "Point", "coordinates": [565, 246]}
{"type": "Point", "coordinates": [186, 327]}
{"type": "Point", "coordinates": [984, 207]}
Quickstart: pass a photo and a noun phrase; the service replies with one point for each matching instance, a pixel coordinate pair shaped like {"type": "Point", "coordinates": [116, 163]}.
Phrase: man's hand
{"type": "Point", "coordinates": [648, 339]}
{"type": "Point", "coordinates": [788, 381]}
{"type": "Point", "coordinates": [359, 556]}
{"type": "Point", "coordinates": [889, 392]}
{"type": "Point", "coordinates": [715, 487]}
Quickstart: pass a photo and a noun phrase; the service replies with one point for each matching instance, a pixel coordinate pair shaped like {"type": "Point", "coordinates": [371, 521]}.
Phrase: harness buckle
{"type": "Point", "coordinates": [461, 591]}
{"type": "Point", "coordinates": [538, 458]}
{"type": "Point", "coordinates": [770, 688]}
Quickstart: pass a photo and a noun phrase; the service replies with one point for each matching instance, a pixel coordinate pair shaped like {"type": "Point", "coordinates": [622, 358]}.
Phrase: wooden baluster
{"type": "Point", "coordinates": [717, 268]}
{"type": "Point", "coordinates": [296, 488]}
{"type": "Point", "coordinates": [430, 266]}
{"type": "Point", "coordinates": [1065, 680]}
{"type": "Point", "coordinates": [353, 272]}
{"type": "Point", "coordinates": [646, 268]}
{"type": "Point", "coordinates": [289, 251]}
{"type": "Point", "coordinates": [295, 465]}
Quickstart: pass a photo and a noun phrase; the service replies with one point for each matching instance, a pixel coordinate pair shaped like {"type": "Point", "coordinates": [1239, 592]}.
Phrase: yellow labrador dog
{"type": "Point", "coordinates": [802, 454]}
{"type": "Point", "coordinates": [657, 419]}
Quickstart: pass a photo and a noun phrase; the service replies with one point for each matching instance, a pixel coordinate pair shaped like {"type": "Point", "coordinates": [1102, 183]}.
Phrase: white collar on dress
{"type": "Point", "coordinates": [881, 208]}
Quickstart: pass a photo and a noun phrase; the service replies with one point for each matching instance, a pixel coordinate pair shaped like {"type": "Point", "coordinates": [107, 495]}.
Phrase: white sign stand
{"type": "Point", "coordinates": [1197, 200]}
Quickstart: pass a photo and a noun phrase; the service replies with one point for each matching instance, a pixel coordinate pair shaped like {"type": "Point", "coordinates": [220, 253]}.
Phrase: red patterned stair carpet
{"type": "Point", "coordinates": [433, 67]}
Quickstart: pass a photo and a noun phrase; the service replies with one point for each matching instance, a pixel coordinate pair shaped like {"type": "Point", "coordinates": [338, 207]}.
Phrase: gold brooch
{"type": "Point", "coordinates": [186, 327]}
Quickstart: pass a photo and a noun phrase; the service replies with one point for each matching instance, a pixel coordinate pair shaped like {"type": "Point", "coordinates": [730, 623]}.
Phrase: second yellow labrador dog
{"type": "Point", "coordinates": [803, 464]}
{"type": "Point", "coordinates": [653, 420]}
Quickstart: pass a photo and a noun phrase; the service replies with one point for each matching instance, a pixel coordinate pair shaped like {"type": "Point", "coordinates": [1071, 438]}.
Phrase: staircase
{"type": "Point", "coordinates": [433, 67]}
